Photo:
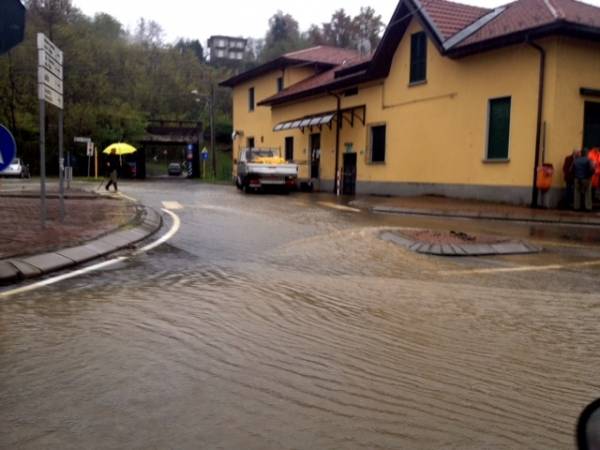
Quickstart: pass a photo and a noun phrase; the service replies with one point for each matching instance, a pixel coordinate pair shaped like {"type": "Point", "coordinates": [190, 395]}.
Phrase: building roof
{"type": "Point", "coordinates": [322, 56]}
{"type": "Point", "coordinates": [330, 79]}
{"type": "Point", "coordinates": [456, 29]}
{"type": "Point", "coordinates": [527, 15]}
{"type": "Point", "coordinates": [449, 17]}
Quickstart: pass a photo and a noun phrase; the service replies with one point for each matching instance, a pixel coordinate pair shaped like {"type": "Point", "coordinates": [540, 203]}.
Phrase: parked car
{"type": "Point", "coordinates": [130, 170]}
{"type": "Point", "coordinates": [17, 169]}
{"type": "Point", "coordinates": [259, 169]}
{"type": "Point", "coordinates": [175, 169]}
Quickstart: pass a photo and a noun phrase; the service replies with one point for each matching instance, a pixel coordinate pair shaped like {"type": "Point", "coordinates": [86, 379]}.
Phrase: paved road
{"type": "Point", "coordinates": [284, 322]}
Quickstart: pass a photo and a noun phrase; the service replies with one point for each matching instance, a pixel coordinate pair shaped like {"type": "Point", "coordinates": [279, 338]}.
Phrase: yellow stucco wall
{"type": "Point", "coordinates": [437, 131]}
{"type": "Point", "coordinates": [579, 67]}
{"type": "Point", "coordinates": [259, 123]}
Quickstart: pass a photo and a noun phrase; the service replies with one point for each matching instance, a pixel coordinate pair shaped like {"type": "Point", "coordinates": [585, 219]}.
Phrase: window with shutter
{"type": "Point", "coordinates": [499, 128]}
{"type": "Point", "coordinates": [418, 57]}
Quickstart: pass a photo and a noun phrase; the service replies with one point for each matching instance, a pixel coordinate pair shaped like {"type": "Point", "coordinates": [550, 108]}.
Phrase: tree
{"type": "Point", "coordinates": [368, 26]}
{"type": "Point", "coordinates": [282, 37]}
{"type": "Point", "coordinates": [193, 46]}
{"type": "Point", "coordinates": [340, 32]}
{"type": "Point", "coordinates": [51, 13]}
{"type": "Point", "coordinates": [314, 36]}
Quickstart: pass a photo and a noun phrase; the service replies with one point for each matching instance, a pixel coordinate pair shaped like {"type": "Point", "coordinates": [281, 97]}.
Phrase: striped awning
{"type": "Point", "coordinates": [312, 121]}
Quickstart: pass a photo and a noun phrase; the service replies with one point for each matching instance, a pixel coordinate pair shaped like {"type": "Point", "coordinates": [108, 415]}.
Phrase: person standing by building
{"type": "Point", "coordinates": [113, 167]}
{"type": "Point", "coordinates": [583, 170]}
{"type": "Point", "coordinates": [569, 178]}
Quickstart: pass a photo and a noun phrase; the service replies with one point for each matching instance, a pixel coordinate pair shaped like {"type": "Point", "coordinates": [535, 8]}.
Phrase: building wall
{"type": "Point", "coordinates": [260, 123]}
{"type": "Point", "coordinates": [579, 67]}
{"type": "Point", "coordinates": [437, 131]}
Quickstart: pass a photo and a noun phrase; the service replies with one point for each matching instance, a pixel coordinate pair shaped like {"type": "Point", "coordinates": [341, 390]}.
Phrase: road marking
{"type": "Point", "coordinates": [103, 265]}
{"type": "Point", "coordinates": [173, 206]}
{"type": "Point", "coordinates": [339, 207]}
{"type": "Point", "coordinates": [127, 197]}
{"type": "Point", "coordinates": [172, 232]}
{"type": "Point", "coordinates": [520, 269]}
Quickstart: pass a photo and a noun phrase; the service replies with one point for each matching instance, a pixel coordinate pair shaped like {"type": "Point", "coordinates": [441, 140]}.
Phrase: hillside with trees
{"type": "Point", "coordinates": [116, 80]}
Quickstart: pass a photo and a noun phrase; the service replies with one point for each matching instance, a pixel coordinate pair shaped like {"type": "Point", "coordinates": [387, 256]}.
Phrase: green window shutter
{"type": "Point", "coordinates": [499, 128]}
{"type": "Point", "coordinates": [418, 57]}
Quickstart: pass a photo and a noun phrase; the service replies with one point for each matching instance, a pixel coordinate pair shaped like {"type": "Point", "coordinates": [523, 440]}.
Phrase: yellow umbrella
{"type": "Point", "coordinates": [121, 149]}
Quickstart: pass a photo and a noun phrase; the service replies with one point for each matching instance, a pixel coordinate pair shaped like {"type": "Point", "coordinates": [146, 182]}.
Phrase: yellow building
{"type": "Point", "coordinates": [456, 100]}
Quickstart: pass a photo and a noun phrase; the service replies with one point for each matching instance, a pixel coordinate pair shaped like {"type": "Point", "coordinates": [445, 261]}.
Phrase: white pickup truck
{"type": "Point", "coordinates": [262, 168]}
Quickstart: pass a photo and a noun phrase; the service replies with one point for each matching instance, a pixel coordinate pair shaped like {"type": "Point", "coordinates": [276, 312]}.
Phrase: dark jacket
{"type": "Point", "coordinates": [568, 170]}
{"type": "Point", "coordinates": [583, 168]}
{"type": "Point", "coordinates": [113, 163]}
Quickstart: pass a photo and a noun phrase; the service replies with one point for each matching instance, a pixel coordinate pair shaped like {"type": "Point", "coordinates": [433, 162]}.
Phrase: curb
{"type": "Point", "coordinates": [461, 250]}
{"type": "Point", "coordinates": [584, 221]}
{"type": "Point", "coordinates": [17, 269]}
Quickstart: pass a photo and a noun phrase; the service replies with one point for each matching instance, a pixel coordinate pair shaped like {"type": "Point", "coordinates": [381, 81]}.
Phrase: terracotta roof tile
{"type": "Point", "coordinates": [324, 54]}
{"type": "Point", "coordinates": [317, 81]}
{"type": "Point", "coordinates": [524, 15]}
{"type": "Point", "coordinates": [449, 17]}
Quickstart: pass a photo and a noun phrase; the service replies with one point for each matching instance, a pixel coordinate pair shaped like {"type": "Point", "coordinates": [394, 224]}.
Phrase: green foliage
{"type": "Point", "coordinates": [114, 81]}
{"type": "Point", "coordinates": [361, 32]}
{"type": "Point", "coordinates": [282, 37]}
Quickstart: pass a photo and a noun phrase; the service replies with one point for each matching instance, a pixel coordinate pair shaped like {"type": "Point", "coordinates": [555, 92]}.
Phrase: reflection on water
{"type": "Point", "coordinates": [332, 339]}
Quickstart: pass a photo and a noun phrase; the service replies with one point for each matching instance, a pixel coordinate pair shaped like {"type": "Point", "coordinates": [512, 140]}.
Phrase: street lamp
{"type": "Point", "coordinates": [211, 106]}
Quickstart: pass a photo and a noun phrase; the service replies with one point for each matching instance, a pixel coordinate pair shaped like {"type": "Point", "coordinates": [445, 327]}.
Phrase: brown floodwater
{"type": "Point", "coordinates": [268, 323]}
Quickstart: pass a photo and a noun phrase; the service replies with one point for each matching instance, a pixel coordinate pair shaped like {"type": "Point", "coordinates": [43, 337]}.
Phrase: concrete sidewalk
{"type": "Point", "coordinates": [94, 226]}
{"type": "Point", "coordinates": [472, 209]}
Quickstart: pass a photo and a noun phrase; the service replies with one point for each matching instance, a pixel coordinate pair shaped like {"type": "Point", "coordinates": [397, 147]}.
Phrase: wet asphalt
{"type": "Point", "coordinates": [285, 322]}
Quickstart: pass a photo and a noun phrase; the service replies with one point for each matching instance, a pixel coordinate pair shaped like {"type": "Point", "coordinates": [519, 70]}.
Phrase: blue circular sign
{"type": "Point", "coordinates": [8, 148]}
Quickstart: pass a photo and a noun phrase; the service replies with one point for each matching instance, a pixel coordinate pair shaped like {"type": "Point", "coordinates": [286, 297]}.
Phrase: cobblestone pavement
{"type": "Point", "coordinates": [21, 232]}
{"type": "Point", "coordinates": [286, 323]}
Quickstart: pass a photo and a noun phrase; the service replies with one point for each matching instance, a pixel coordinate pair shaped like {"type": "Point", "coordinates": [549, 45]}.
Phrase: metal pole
{"type": "Point", "coordinates": [95, 162]}
{"type": "Point", "coordinates": [43, 212]}
{"type": "Point", "coordinates": [61, 165]}
{"type": "Point", "coordinates": [212, 129]}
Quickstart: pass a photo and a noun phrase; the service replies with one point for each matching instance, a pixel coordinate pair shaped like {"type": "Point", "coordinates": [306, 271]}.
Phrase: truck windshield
{"type": "Point", "coordinates": [257, 154]}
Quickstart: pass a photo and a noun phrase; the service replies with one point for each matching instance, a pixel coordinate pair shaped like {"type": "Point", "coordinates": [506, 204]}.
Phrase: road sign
{"type": "Point", "coordinates": [204, 155]}
{"type": "Point", "coordinates": [82, 140]}
{"type": "Point", "coordinates": [8, 148]}
{"type": "Point", "coordinates": [51, 65]}
{"type": "Point", "coordinates": [50, 96]}
{"type": "Point", "coordinates": [90, 149]}
{"type": "Point", "coordinates": [46, 45]}
{"type": "Point", "coordinates": [52, 81]}
{"type": "Point", "coordinates": [50, 90]}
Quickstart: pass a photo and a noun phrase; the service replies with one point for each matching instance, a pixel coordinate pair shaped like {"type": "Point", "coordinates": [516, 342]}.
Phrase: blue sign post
{"type": "Point", "coordinates": [8, 148]}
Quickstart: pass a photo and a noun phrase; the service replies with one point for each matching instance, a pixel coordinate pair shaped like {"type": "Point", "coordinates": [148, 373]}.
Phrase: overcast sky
{"type": "Point", "coordinates": [249, 18]}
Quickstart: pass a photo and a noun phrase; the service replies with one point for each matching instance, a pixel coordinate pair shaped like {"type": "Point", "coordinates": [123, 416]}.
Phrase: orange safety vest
{"type": "Point", "coordinates": [594, 155]}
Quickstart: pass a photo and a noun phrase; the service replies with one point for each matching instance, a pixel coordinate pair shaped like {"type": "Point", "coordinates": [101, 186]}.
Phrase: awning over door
{"type": "Point", "coordinates": [348, 115]}
{"type": "Point", "coordinates": [312, 121]}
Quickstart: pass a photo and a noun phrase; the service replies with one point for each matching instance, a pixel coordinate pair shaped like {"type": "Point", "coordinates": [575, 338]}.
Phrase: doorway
{"type": "Point", "coordinates": [349, 180]}
{"type": "Point", "coordinates": [315, 155]}
{"type": "Point", "coordinates": [250, 143]}
{"type": "Point", "coordinates": [591, 125]}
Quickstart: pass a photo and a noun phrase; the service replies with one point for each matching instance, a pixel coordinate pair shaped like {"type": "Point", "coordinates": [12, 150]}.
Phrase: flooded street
{"type": "Point", "coordinates": [284, 322]}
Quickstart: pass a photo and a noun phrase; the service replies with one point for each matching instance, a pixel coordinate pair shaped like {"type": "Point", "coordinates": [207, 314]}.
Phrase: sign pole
{"type": "Point", "coordinates": [95, 162]}
{"type": "Point", "coordinates": [43, 162]}
{"type": "Point", "coordinates": [61, 165]}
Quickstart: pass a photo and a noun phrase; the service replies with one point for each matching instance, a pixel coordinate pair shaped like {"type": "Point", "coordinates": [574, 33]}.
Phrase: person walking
{"type": "Point", "coordinates": [113, 166]}
{"type": "Point", "coordinates": [583, 170]}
